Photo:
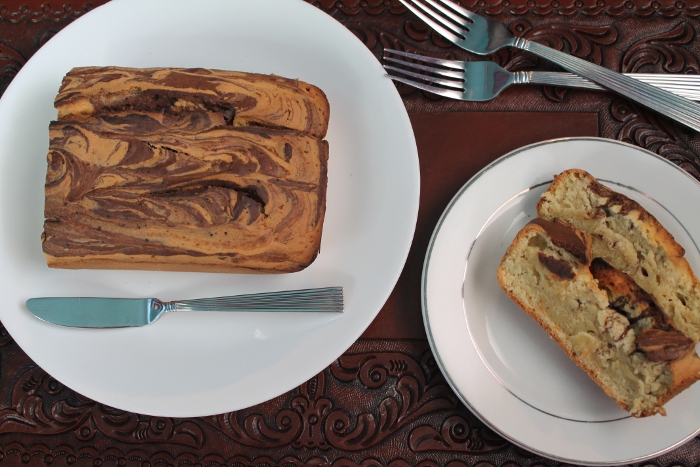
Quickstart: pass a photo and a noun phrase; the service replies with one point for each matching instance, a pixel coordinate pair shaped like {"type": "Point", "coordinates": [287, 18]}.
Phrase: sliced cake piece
{"type": "Point", "coordinates": [638, 362]}
{"type": "Point", "coordinates": [630, 239]}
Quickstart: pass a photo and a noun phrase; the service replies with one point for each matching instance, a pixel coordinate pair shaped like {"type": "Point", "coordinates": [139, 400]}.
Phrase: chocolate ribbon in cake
{"type": "Point", "coordinates": [228, 97]}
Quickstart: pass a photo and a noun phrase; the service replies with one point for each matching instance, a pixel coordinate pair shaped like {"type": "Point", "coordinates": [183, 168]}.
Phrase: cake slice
{"type": "Point", "coordinates": [630, 239]}
{"type": "Point", "coordinates": [612, 331]}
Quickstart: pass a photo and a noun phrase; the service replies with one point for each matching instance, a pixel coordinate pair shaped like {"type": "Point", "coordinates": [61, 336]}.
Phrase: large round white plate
{"type": "Point", "coordinates": [193, 364]}
{"type": "Point", "coordinates": [500, 363]}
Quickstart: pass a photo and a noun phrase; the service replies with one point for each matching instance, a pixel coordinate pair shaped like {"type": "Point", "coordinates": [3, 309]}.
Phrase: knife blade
{"type": "Point", "coordinates": [94, 312]}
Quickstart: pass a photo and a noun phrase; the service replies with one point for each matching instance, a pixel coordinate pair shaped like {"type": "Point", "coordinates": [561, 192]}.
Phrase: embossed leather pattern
{"type": "Point", "coordinates": [383, 403]}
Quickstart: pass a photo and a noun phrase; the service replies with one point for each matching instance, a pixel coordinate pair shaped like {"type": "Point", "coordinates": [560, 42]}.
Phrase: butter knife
{"type": "Point", "coordinates": [92, 312]}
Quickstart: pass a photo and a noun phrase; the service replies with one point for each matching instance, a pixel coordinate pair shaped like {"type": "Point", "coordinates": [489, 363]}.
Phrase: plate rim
{"type": "Point", "coordinates": [184, 410]}
{"type": "Point", "coordinates": [425, 313]}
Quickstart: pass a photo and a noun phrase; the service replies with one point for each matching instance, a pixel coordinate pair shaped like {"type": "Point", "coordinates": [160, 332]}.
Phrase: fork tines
{"type": "Point", "coordinates": [453, 69]}
{"type": "Point", "coordinates": [447, 18]}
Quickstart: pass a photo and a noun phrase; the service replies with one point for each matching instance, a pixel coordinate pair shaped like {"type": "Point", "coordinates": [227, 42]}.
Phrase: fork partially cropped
{"type": "Point", "coordinates": [484, 36]}
{"type": "Point", "coordinates": [484, 80]}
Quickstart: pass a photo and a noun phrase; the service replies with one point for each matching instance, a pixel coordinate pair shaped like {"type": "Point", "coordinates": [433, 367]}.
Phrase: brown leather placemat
{"type": "Point", "coordinates": [453, 146]}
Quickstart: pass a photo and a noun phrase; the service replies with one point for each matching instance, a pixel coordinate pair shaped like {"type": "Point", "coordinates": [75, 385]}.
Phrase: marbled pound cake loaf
{"type": "Point", "coordinates": [135, 185]}
{"type": "Point", "coordinates": [608, 325]}
{"type": "Point", "coordinates": [629, 238]}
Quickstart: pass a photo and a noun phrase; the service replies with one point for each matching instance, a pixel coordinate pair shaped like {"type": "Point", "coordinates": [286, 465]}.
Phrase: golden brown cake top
{"type": "Point", "coordinates": [225, 193]}
{"type": "Point", "coordinates": [237, 98]}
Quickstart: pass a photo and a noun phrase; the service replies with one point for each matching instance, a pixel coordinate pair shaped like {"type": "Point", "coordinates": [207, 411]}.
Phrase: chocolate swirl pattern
{"type": "Point", "coordinates": [141, 186]}
{"type": "Point", "coordinates": [229, 97]}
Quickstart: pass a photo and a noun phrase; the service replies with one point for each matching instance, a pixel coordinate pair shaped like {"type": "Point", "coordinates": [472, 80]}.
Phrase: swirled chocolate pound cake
{"type": "Point", "coordinates": [605, 322]}
{"type": "Point", "coordinates": [185, 170]}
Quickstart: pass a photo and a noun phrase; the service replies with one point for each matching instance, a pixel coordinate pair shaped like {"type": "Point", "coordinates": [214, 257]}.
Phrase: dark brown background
{"type": "Point", "coordinates": [384, 402]}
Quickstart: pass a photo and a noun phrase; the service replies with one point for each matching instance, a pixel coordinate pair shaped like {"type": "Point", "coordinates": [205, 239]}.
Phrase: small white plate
{"type": "Point", "coordinates": [498, 360]}
{"type": "Point", "coordinates": [194, 364]}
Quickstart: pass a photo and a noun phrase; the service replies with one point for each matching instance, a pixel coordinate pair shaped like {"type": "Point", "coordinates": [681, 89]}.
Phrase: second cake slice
{"type": "Point", "coordinates": [613, 331]}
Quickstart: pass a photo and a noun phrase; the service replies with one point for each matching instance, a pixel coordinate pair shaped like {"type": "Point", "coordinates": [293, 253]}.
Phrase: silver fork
{"type": "Point", "coordinates": [484, 36]}
{"type": "Point", "coordinates": [484, 80]}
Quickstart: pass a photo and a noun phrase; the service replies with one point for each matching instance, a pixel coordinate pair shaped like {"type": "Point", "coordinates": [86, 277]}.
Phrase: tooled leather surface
{"type": "Point", "coordinates": [626, 43]}
{"type": "Point", "coordinates": [384, 402]}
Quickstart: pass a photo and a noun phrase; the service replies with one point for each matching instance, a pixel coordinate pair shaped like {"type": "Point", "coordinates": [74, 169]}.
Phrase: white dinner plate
{"type": "Point", "coordinates": [193, 364]}
{"type": "Point", "coordinates": [499, 361]}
